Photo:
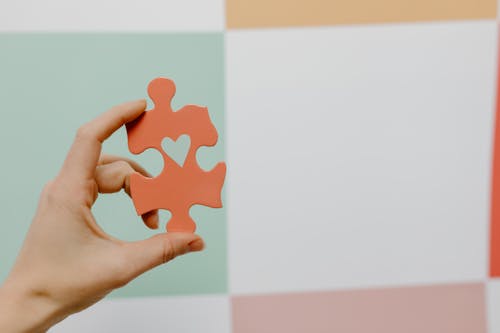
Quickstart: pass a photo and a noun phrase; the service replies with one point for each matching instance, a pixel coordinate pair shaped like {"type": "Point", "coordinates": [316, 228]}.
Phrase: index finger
{"type": "Point", "coordinates": [84, 153]}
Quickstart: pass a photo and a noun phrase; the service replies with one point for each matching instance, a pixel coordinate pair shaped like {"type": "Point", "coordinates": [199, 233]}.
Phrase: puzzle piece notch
{"type": "Point", "coordinates": [176, 188]}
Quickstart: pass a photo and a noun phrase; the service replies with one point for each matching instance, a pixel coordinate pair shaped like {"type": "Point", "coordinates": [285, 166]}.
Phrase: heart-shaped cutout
{"type": "Point", "coordinates": [178, 149]}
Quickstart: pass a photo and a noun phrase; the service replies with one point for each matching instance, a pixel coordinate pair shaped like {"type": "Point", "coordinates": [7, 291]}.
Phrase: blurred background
{"type": "Point", "coordinates": [363, 176]}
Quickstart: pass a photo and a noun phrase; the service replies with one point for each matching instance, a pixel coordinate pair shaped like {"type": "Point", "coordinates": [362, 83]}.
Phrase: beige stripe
{"type": "Point", "coordinates": [430, 309]}
{"type": "Point", "coordinates": [282, 13]}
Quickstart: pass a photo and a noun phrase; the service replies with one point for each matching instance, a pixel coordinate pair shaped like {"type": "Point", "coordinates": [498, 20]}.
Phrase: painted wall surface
{"type": "Point", "coordinates": [362, 143]}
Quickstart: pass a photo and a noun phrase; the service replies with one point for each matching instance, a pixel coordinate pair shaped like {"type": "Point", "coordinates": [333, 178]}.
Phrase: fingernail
{"type": "Point", "coordinates": [196, 245]}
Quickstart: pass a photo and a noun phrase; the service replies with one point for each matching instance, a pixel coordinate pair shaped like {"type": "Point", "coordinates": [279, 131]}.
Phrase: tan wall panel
{"type": "Point", "coordinates": [283, 13]}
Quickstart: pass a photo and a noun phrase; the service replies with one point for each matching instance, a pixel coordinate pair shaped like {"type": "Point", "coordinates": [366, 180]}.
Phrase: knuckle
{"type": "Point", "coordinates": [121, 170]}
{"type": "Point", "coordinates": [48, 187]}
{"type": "Point", "coordinates": [123, 166]}
{"type": "Point", "coordinates": [84, 132]}
{"type": "Point", "coordinates": [125, 169]}
{"type": "Point", "coordinates": [169, 252]}
{"type": "Point", "coordinates": [51, 191]}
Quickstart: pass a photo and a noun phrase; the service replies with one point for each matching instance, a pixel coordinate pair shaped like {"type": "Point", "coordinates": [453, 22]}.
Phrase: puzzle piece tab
{"type": "Point", "coordinates": [178, 187]}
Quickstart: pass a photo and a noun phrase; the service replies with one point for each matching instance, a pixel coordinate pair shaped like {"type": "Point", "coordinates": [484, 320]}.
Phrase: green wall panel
{"type": "Point", "coordinates": [52, 83]}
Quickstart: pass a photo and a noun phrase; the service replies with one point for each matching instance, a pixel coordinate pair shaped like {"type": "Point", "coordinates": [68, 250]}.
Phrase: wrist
{"type": "Point", "coordinates": [24, 310]}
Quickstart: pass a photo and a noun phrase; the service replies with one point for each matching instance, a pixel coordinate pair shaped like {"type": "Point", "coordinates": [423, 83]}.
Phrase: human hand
{"type": "Point", "coordinates": [67, 262]}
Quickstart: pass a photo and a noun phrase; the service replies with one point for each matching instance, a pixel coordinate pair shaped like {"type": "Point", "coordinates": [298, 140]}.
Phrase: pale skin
{"type": "Point", "coordinates": [67, 262]}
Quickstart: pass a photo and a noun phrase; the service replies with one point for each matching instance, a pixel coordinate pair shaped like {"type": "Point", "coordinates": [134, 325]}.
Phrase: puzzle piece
{"type": "Point", "coordinates": [178, 187]}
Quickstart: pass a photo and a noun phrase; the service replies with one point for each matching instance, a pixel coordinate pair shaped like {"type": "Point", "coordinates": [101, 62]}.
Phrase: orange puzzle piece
{"type": "Point", "coordinates": [178, 187]}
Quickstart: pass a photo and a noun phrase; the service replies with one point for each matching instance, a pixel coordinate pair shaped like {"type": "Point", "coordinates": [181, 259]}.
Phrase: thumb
{"type": "Point", "coordinates": [146, 254]}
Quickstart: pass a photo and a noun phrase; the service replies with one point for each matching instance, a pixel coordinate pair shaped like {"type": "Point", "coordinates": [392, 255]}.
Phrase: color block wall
{"type": "Point", "coordinates": [363, 151]}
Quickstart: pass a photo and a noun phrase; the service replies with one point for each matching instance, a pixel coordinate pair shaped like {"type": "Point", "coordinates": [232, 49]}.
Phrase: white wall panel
{"type": "Point", "coordinates": [359, 156]}
{"type": "Point", "coordinates": [187, 314]}
{"type": "Point", "coordinates": [112, 15]}
{"type": "Point", "coordinates": [494, 306]}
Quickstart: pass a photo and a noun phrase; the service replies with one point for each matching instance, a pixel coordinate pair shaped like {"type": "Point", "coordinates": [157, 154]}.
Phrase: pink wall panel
{"type": "Point", "coordinates": [456, 308]}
